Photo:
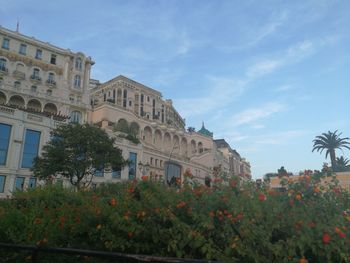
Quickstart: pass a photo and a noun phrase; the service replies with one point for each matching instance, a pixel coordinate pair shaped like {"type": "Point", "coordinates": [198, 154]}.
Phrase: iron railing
{"type": "Point", "coordinates": [34, 256]}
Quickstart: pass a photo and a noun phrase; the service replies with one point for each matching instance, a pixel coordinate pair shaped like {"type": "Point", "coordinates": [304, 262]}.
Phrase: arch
{"type": "Point", "coordinates": [183, 146]}
{"type": "Point", "coordinates": [20, 66]}
{"type": "Point", "coordinates": [200, 147]}
{"type": "Point", "coordinates": [122, 125]}
{"type": "Point", "coordinates": [76, 117]}
{"type": "Point", "coordinates": [176, 144]}
{"type": "Point", "coordinates": [147, 134]}
{"type": "Point", "coordinates": [2, 98]}
{"type": "Point", "coordinates": [193, 147]}
{"type": "Point", "coordinates": [158, 139]}
{"type": "Point", "coordinates": [34, 104]}
{"type": "Point", "coordinates": [17, 101]}
{"type": "Point", "coordinates": [134, 128]}
{"type": "Point", "coordinates": [167, 141]}
{"type": "Point", "coordinates": [50, 108]}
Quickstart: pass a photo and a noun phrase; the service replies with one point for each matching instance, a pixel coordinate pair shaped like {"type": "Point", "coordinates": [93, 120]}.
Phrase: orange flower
{"type": "Point", "coordinates": [303, 260]}
{"type": "Point", "coordinates": [211, 214]}
{"type": "Point", "coordinates": [144, 178]}
{"type": "Point", "coordinates": [326, 238]}
{"type": "Point", "coordinates": [312, 224]}
{"type": "Point", "coordinates": [98, 227]}
{"type": "Point", "coordinates": [348, 218]}
{"type": "Point", "coordinates": [298, 197]}
{"type": "Point", "coordinates": [337, 230]}
{"type": "Point", "coordinates": [180, 204]}
{"type": "Point", "coordinates": [131, 190]}
{"type": "Point", "coordinates": [37, 221]}
{"type": "Point", "coordinates": [113, 202]}
{"type": "Point", "coordinates": [316, 189]}
{"type": "Point", "coordinates": [130, 234]}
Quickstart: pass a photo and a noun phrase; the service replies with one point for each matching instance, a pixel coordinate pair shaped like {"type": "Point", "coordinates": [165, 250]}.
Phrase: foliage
{"type": "Point", "coordinates": [343, 164]}
{"type": "Point", "coordinates": [330, 142]}
{"type": "Point", "coordinates": [129, 132]}
{"type": "Point", "coordinates": [227, 222]}
{"type": "Point", "coordinates": [75, 152]}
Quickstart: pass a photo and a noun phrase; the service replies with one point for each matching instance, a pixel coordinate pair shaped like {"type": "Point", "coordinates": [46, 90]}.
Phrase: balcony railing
{"type": "Point", "coordinates": [35, 78]}
{"type": "Point", "coordinates": [51, 82]}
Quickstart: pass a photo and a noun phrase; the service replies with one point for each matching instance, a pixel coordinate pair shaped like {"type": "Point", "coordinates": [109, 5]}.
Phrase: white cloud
{"type": "Point", "coordinates": [254, 114]}
{"type": "Point", "coordinates": [284, 88]}
{"type": "Point", "coordinates": [262, 68]}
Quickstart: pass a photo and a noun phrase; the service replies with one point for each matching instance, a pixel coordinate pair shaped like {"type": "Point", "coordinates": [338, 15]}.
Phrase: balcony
{"type": "Point", "coordinates": [51, 83]}
{"type": "Point", "coordinates": [35, 79]}
{"type": "Point", "coordinates": [3, 70]}
{"type": "Point", "coordinates": [19, 75]}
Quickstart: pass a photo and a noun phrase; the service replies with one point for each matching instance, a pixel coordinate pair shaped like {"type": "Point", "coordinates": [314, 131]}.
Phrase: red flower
{"type": "Point", "coordinates": [262, 197]}
{"type": "Point", "coordinates": [144, 178]}
{"type": "Point", "coordinates": [37, 221]}
{"type": "Point", "coordinates": [326, 238]}
{"type": "Point", "coordinates": [130, 234]}
{"type": "Point", "coordinates": [180, 204]}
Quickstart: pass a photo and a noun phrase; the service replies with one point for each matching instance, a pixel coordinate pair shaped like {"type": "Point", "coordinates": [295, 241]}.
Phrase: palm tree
{"type": "Point", "coordinates": [330, 142]}
{"type": "Point", "coordinates": [343, 164]}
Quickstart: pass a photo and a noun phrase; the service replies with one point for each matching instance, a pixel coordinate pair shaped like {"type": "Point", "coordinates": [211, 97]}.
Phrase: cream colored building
{"type": "Point", "coordinates": [42, 86]}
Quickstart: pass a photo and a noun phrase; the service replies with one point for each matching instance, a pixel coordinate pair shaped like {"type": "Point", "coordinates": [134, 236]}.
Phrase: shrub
{"type": "Point", "coordinates": [307, 221]}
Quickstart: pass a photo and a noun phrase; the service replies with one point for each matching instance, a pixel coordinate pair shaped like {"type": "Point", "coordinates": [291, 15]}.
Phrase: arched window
{"type": "Point", "coordinates": [78, 64]}
{"type": "Point", "coordinates": [77, 81]}
{"type": "Point", "coordinates": [36, 74]}
{"type": "Point", "coordinates": [3, 65]}
{"type": "Point", "coordinates": [51, 78]}
{"type": "Point", "coordinates": [75, 117]}
{"type": "Point", "coordinates": [20, 67]}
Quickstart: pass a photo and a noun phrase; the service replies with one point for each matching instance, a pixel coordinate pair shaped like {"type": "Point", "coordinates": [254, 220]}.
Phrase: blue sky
{"type": "Point", "coordinates": [268, 76]}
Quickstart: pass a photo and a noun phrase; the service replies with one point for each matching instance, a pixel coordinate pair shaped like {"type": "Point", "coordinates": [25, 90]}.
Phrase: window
{"type": "Point", "coordinates": [1, 81]}
{"type": "Point", "coordinates": [75, 117]}
{"type": "Point", "coordinates": [19, 183]}
{"type": "Point", "coordinates": [36, 74]}
{"type": "Point", "coordinates": [17, 84]}
{"type": "Point", "coordinates": [77, 81]}
{"type": "Point", "coordinates": [99, 172]}
{"type": "Point", "coordinates": [116, 173]}
{"type": "Point", "coordinates": [33, 89]}
{"type": "Point", "coordinates": [125, 96]}
{"type": "Point", "coordinates": [5, 43]}
{"type": "Point", "coordinates": [78, 64]}
{"type": "Point", "coordinates": [32, 183]}
{"type": "Point", "coordinates": [51, 78]}
{"type": "Point", "coordinates": [130, 103]}
{"type": "Point", "coordinates": [132, 165]}
{"type": "Point", "coordinates": [2, 183]}
{"type": "Point", "coordinates": [5, 133]}
{"type": "Point", "coordinates": [31, 148]}
{"type": "Point", "coordinates": [38, 54]}
{"type": "Point", "coordinates": [22, 49]}
{"type": "Point", "coordinates": [53, 59]}
{"type": "Point", "coordinates": [3, 65]}
{"type": "Point", "coordinates": [49, 92]}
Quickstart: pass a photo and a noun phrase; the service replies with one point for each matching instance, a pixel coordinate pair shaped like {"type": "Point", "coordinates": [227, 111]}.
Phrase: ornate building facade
{"type": "Point", "coordinates": [42, 86]}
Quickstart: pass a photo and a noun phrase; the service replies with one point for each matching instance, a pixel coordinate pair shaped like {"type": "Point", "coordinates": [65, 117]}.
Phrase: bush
{"type": "Point", "coordinates": [225, 222]}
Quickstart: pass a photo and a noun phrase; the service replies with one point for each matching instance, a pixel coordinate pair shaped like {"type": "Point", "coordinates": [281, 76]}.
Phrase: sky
{"type": "Point", "coordinates": [267, 76]}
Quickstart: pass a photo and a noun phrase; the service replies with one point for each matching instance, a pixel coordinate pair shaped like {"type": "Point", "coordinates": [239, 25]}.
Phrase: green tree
{"type": "Point", "coordinates": [330, 142]}
{"type": "Point", "coordinates": [75, 152]}
{"type": "Point", "coordinates": [343, 164]}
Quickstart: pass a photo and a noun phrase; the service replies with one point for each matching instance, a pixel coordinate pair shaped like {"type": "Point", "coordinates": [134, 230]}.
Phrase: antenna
{"type": "Point", "coordinates": [17, 26]}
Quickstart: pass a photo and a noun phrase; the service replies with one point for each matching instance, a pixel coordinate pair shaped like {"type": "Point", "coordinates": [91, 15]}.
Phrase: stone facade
{"type": "Point", "coordinates": [42, 86]}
